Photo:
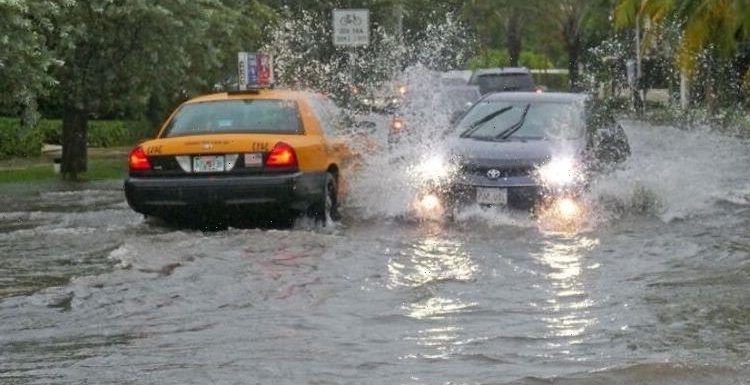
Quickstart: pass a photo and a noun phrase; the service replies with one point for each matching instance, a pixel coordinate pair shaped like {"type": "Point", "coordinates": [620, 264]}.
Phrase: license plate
{"type": "Point", "coordinates": [208, 163]}
{"type": "Point", "coordinates": [254, 159]}
{"type": "Point", "coordinates": [492, 196]}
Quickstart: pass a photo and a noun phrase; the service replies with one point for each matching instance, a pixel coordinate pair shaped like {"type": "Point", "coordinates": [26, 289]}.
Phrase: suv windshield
{"type": "Point", "coordinates": [236, 116]}
{"type": "Point", "coordinates": [505, 82]}
{"type": "Point", "coordinates": [490, 120]}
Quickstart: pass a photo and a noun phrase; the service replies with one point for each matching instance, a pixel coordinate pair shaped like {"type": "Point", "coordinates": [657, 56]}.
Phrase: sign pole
{"type": "Point", "coordinates": [351, 29]}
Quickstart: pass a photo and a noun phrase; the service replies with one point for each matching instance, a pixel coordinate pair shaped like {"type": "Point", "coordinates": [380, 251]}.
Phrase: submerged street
{"type": "Point", "coordinates": [653, 288]}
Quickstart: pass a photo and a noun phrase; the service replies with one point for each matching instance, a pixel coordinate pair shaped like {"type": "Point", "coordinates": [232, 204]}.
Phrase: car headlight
{"type": "Point", "coordinates": [560, 172]}
{"type": "Point", "coordinates": [433, 168]}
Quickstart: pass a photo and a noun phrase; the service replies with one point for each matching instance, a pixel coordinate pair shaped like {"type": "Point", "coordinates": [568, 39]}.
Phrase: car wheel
{"type": "Point", "coordinates": [327, 206]}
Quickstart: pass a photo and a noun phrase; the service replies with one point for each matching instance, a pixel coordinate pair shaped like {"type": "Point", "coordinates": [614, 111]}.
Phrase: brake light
{"type": "Point", "coordinates": [138, 161]}
{"type": "Point", "coordinates": [281, 155]}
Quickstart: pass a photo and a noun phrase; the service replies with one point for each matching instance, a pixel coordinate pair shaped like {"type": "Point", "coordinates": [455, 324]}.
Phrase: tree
{"type": "Point", "coordinates": [512, 17]}
{"type": "Point", "coordinates": [577, 22]}
{"type": "Point", "coordinates": [116, 54]}
{"type": "Point", "coordinates": [711, 26]}
{"type": "Point", "coordinates": [24, 55]}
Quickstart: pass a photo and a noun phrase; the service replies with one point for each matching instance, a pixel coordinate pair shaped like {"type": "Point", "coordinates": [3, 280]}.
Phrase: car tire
{"type": "Point", "coordinates": [327, 206]}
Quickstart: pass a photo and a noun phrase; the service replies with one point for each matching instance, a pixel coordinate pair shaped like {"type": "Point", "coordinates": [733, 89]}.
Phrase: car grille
{"type": "Point", "coordinates": [505, 171]}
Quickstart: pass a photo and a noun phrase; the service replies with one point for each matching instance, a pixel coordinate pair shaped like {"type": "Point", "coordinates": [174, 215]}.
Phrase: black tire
{"type": "Point", "coordinates": [327, 205]}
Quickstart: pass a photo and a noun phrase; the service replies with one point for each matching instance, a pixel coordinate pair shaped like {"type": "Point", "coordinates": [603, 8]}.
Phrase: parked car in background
{"type": "Point", "coordinates": [503, 80]}
{"type": "Point", "coordinates": [455, 77]}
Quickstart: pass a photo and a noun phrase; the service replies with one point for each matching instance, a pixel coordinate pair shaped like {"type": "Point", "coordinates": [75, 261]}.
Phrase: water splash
{"type": "Point", "coordinates": [673, 173]}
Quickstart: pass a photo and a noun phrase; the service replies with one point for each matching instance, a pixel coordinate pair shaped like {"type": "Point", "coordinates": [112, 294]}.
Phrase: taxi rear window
{"type": "Point", "coordinates": [236, 116]}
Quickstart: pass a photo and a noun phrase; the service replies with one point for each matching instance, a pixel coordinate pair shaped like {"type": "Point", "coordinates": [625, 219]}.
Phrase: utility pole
{"type": "Point", "coordinates": [638, 96]}
{"type": "Point", "coordinates": [398, 17]}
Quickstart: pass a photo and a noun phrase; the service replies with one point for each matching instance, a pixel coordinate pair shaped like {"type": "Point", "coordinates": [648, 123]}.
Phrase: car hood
{"type": "Point", "coordinates": [513, 152]}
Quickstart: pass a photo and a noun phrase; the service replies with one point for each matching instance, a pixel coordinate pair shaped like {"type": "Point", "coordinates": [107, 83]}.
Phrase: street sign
{"type": "Point", "coordinates": [351, 27]}
{"type": "Point", "coordinates": [254, 70]}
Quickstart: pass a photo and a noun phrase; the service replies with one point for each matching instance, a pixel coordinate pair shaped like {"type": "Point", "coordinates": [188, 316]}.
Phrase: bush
{"type": "Point", "coordinates": [14, 141]}
{"type": "Point", "coordinates": [17, 141]}
{"type": "Point", "coordinates": [102, 133]}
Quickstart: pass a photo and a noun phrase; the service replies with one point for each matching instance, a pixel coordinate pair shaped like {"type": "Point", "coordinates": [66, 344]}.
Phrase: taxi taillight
{"type": "Point", "coordinates": [281, 155]}
{"type": "Point", "coordinates": [138, 161]}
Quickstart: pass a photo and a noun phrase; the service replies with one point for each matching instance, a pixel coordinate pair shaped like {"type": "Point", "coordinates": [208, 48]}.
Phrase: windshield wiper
{"type": "Point", "coordinates": [474, 126]}
{"type": "Point", "coordinates": [505, 134]}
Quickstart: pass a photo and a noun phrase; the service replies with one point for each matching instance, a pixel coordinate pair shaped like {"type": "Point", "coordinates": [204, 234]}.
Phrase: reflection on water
{"type": "Point", "coordinates": [430, 260]}
{"type": "Point", "coordinates": [437, 308]}
{"type": "Point", "coordinates": [442, 340]}
{"type": "Point", "coordinates": [567, 309]}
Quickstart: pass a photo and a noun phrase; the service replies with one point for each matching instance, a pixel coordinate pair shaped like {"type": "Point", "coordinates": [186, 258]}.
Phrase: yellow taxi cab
{"type": "Point", "coordinates": [266, 152]}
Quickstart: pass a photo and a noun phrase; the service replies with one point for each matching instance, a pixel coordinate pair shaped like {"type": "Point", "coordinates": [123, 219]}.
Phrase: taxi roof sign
{"type": "Point", "coordinates": [254, 70]}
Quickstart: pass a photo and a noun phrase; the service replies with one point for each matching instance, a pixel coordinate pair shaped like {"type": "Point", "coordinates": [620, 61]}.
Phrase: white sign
{"type": "Point", "coordinates": [351, 27]}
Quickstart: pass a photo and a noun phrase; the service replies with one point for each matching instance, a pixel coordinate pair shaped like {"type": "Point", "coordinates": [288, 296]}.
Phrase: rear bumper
{"type": "Point", "coordinates": [154, 195]}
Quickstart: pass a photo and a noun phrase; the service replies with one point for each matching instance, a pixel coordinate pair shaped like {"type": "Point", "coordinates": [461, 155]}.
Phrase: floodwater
{"type": "Point", "coordinates": [652, 289]}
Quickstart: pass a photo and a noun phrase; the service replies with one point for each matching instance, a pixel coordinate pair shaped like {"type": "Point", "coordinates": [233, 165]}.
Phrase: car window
{"type": "Point", "coordinates": [546, 120]}
{"type": "Point", "coordinates": [236, 116]}
{"type": "Point", "coordinates": [505, 82]}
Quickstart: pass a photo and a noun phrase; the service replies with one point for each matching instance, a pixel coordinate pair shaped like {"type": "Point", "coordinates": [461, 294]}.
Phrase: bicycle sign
{"type": "Point", "coordinates": [351, 27]}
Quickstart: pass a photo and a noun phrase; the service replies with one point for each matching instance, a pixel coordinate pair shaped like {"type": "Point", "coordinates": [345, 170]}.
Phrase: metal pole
{"type": "Point", "coordinates": [638, 58]}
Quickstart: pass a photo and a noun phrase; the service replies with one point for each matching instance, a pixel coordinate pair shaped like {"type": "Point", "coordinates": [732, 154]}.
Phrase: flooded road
{"type": "Point", "coordinates": [653, 290]}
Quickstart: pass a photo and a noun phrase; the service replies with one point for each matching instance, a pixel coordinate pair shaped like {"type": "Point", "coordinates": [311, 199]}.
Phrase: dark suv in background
{"type": "Point", "coordinates": [503, 80]}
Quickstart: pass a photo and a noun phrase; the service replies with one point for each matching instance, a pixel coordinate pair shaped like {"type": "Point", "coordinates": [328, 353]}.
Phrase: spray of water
{"type": "Point", "coordinates": [672, 172]}
{"type": "Point", "coordinates": [383, 184]}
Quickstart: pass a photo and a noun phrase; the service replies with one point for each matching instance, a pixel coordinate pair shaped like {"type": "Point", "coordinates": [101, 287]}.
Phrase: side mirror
{"type": "Point", "coordinates": [610, 144]}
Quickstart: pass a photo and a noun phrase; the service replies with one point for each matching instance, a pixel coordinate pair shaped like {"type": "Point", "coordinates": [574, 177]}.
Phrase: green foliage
{"type": "Point", "coordinates": [501, 58]}
{"type": "Point", "coordinates": [113, 133]}
{"type": "Point", "coordinates": [25, 56]}
{"type": "Point", "coordinates": [490, 58]}
{"type": "Point", "coordinates": [16, 141]}
{"type": "Point", "coordinates": [99, 169]}
{"type": "Point", "coordinates": [535, 60]}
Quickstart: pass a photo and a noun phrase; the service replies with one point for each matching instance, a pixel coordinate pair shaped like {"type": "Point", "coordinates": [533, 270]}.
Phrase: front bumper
{"type": "Point", "coordinates": [155, 195]}
{"type": "Point", "coordinates": [523, 190]}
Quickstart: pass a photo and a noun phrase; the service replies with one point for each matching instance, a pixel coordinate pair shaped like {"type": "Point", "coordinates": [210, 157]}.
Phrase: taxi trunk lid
{"type": "Point", "coordinates": [215, 144]}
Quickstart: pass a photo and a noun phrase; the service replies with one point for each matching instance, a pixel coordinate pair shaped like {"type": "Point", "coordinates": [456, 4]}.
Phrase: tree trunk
{"type": "Point", "coordinates": [684, 90]}
{"type": "Point", "coordinates": [574, 51]}
{"type": "Point", "coordinates": [74, 151]}
{"type": "Point", "coordinates": [513, 38]}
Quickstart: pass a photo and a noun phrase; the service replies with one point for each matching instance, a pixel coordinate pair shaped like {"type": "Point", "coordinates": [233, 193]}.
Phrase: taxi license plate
{"type": "Point", "coordinates": [492, 196]}
{"type": "Point", "coordinates": [208, 163]}
{"type": "Point", "coordinates": [254, 159]}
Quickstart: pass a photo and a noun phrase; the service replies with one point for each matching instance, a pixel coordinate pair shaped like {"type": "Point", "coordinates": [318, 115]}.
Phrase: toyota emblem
{"type": "Point", "coordinates": [493, 173]}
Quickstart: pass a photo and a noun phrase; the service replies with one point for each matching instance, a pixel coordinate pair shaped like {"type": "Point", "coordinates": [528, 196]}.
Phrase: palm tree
{"type": "Point", "coordinates": [714, 25]}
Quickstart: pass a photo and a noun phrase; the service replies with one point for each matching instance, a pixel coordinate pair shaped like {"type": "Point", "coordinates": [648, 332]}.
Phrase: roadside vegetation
{"type": "Point", "coordinates": [66, 66]}
{"type": "Point", "coordinates": [109, 141]}
{"type": "Point", "coordinates": [18, 141]}
{"type": "Point", "coordinates": [113, 166]}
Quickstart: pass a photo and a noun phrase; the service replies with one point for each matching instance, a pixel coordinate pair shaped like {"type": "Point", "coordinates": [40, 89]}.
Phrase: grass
{"type": "Point", "coordinates": [102, 165]}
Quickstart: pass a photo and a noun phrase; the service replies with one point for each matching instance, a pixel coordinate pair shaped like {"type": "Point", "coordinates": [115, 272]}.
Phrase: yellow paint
{"type": "Point", "coordinates": [315, 152]}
